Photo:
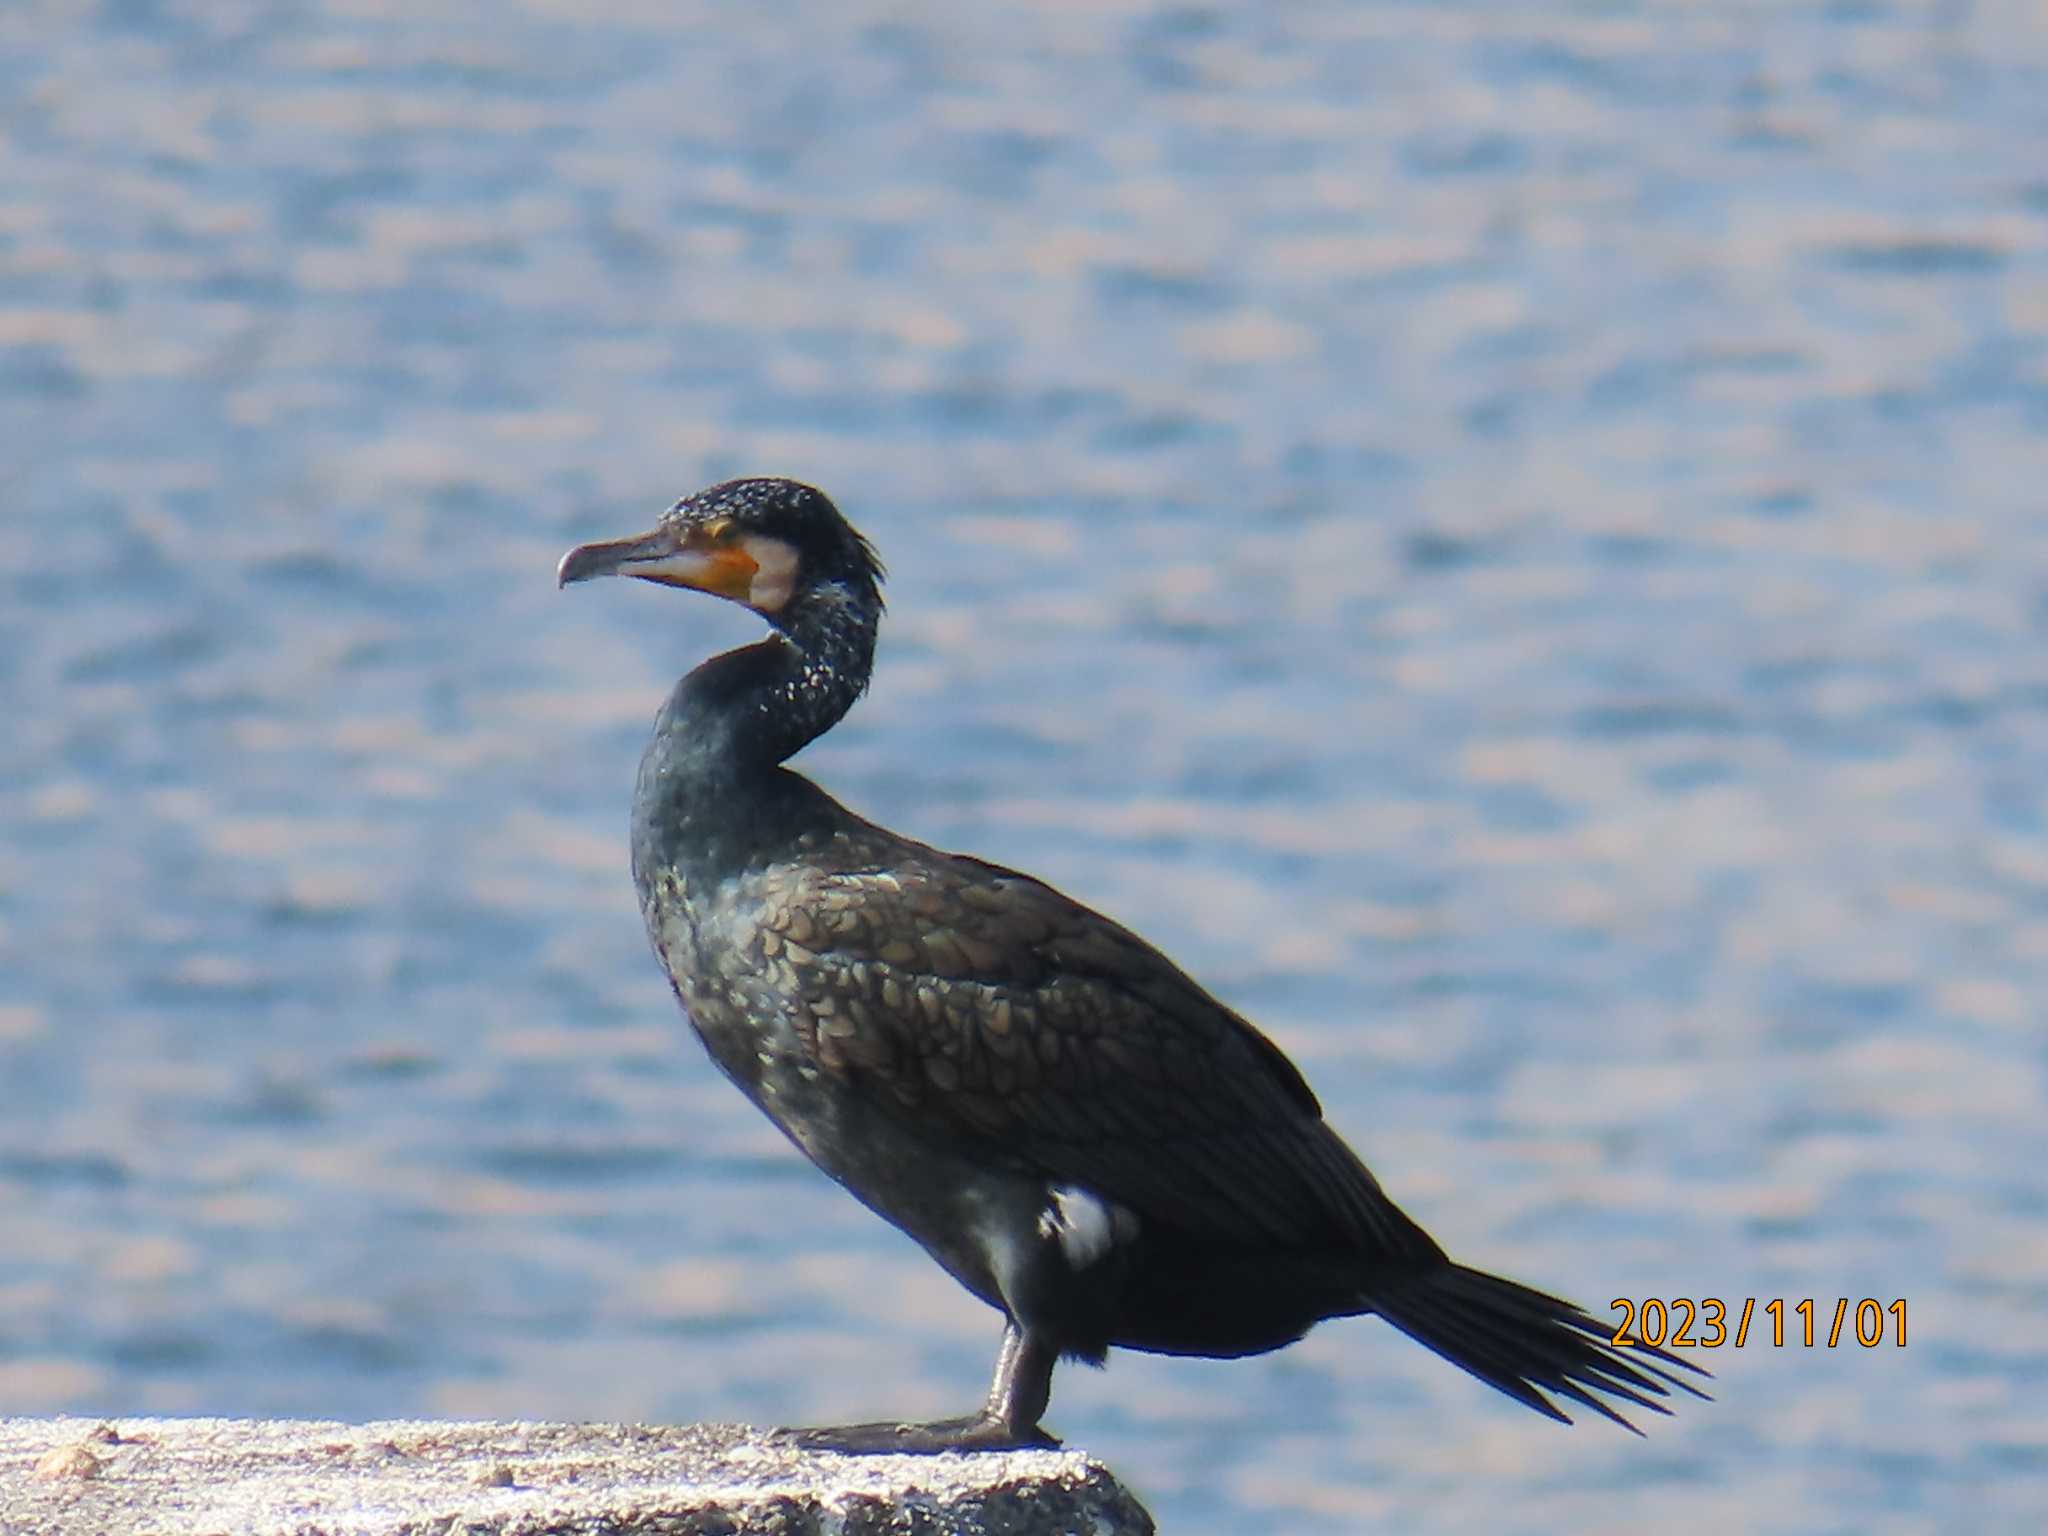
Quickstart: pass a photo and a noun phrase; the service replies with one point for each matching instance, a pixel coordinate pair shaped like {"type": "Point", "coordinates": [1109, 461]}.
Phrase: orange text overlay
{"type": "Point", "coordinates": [1709, 1322]}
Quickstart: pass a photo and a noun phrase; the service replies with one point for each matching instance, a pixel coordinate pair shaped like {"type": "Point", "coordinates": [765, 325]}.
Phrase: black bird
{"type": "Point", "coordinates": [1082, 1136]}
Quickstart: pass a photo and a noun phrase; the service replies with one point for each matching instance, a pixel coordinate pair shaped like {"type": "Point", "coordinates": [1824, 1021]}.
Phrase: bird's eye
{"type": "Point", "coordinates": [720, 530]}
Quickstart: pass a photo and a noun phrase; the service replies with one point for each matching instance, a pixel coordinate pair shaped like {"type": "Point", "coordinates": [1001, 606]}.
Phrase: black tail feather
{"type": "Point", "coordinates": [1527, 1344]}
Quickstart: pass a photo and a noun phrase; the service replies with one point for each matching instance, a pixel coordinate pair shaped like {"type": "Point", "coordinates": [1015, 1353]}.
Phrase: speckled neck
{"type": "Point", "coordinates": [729, 723]}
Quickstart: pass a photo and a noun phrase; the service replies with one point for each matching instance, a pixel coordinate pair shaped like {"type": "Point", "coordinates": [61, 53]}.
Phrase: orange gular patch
{"type": "Point", "coordinates": [752, 569]}
{"type": "Point", "coordinates": [725, 570]}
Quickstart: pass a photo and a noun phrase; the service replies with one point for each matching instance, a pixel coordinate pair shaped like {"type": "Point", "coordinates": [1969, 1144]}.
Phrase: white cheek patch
{"type": "Point", "coordinates": [775, 569]}
{"type": "Point", "coordinates": [1085, 1226]}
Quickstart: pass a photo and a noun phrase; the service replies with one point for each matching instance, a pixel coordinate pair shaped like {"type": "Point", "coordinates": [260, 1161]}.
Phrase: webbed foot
{"type": "Point", "coordinates": [974, 1432]}
{"type": "Point", "coordinates": [1008, 1421]}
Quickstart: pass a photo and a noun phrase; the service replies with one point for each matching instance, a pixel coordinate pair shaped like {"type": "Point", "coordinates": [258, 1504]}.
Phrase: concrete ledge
{"type": "Point", "coordinates": [261, 1477]}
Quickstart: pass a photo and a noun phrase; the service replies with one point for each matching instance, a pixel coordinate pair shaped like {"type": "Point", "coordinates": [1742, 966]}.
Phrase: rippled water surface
{"type": "Point", "coordinates": [1511, 538]}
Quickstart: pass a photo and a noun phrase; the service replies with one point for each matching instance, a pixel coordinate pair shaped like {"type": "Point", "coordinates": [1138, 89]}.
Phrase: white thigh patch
{"type": "Point", "coordinates": [1085, 1226]}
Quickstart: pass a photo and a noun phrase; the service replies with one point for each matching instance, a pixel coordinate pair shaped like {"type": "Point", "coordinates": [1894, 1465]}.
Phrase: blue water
{"type": "Point", "coordinates": [1510, 538]}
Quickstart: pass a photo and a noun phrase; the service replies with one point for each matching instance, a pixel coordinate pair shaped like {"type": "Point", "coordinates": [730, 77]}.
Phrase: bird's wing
{"type": "Point", "coordinates": [966, 994]}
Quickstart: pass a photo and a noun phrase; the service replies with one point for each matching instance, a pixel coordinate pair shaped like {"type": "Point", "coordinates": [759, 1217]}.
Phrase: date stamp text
{"type": "Point", "coordinates": [1685, 1323]}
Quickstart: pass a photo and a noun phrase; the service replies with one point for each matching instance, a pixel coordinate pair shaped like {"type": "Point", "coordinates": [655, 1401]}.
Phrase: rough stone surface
{"type": "Point", "coordinates": [243, 1477]}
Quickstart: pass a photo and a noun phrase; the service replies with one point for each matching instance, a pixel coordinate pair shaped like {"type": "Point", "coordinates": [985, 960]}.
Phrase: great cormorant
{"type": "Point", "coordinates": [1082, 1136]}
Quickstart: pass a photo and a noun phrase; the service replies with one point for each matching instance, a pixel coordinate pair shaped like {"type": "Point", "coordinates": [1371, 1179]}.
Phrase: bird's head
{"type": "Point", "coordinates": [778, 547]}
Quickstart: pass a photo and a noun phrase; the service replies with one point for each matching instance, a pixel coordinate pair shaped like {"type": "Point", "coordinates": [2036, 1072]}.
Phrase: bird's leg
{"type": "Point", "coordinates": [1008, 1421]}
{"type": "Point", "coordinates": [1021, 1387]}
